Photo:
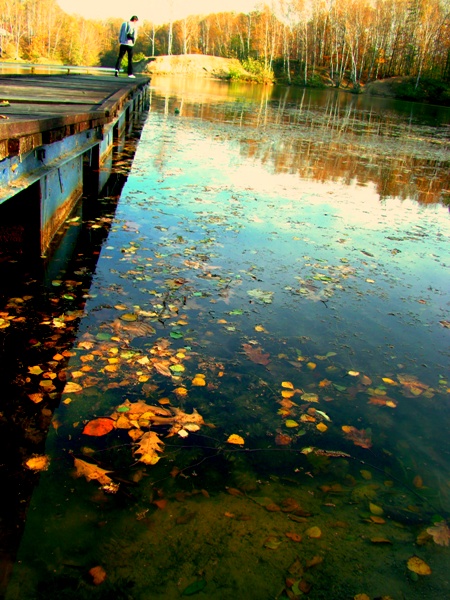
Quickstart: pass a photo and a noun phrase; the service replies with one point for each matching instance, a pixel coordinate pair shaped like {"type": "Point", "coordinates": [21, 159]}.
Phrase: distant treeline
{"type": "Point", "coordinates": [357, 40]}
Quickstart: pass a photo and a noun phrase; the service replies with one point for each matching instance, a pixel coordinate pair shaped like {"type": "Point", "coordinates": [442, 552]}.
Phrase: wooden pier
{"type": "Point", "coordinates": [56, 140]}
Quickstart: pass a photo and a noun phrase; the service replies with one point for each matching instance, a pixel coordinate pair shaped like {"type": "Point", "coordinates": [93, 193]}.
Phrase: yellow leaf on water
{"type": "Point", "coordinates": [180, 392]}
{"type": "Point", "coordinates": [287, 393]}
{"type": "Point", "coordinates": [130, 317]}
{"type": "Point", "coordinates": [199, 380]}
{"type": "Point", "coordinates": [287, 384]}
{"type": "Point", "coordinates": [291, 423]}
{"type": "Point", "coordinates": [353, 373]}
{"type": "Point", "coordinates": [311, 365]}
{"type": "Point", "coordinates": [38, 463]}
{"type": "Point", "coordinates": [419, 566]}
{"type": "Point", "coordinates": [91, 472]}
{"type": "Point", "coordinates": [72, 387]}
{"type": "Point", "coordinates": [389, 381]}
{"type": "Point", "coordinates": [314, 532]}
{"type": "Point", "coordinates": [148, 448]}
{"type": "Point", "coordinates": [310, 397]}
{"type": "Point", "coordinates": [235, 439]}
{"type": "Point", "coordinates": [375, 509]}
{"type": "Point", "coordinates": [321, 427]}
{"type": "Point", "coordinates": [36, 370]}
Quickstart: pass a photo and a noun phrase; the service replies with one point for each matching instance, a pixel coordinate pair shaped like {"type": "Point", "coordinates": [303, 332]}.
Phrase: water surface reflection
{"type": "Point", "coordinates": [265, 345]}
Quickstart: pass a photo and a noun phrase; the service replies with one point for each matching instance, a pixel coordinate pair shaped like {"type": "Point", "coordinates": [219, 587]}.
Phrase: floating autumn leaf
{"type": "Point", "coordinates": [291, 423]}
{"type": "Point", "coordinates": [314, 532]}
{"type": "Point", "coordinates": [376, 519]}
{"type": "Point", "coordinates": [440, 533]}
{"type": "Point", "coordinates": [36, 370]}
{"type": "Point", "coordinates": [38, 463]}
{"type": "Point", "coordinates": [358, 436]}
{"type": "Point", "coordinates": [98, 575]}
{"type": "Point", "coordinates": [148, 448]}
{"type": "Point", "coordinates": [99, 427]}
{"type": "Point", "coordinates": [235, 439]}
{"type": "Point", "coordinates": [162, 368]}
{"type": "Point", "coordinates": [72, 388]}
{"type": "Point", "coordinates": [91, 472]}
{"type": "Point", "coordinates": [382, 401]}
{"type": "Point", "coordinates": [321, 427]}
{"type": "Point", "coordinates": [181, 392]}
{"type": "Point", "coordinates": [135, 434]}
{"type": "Point", "coordinates": [307, 419]}
{"type": "Point", "coordinates": [287, 384]}
{"type": "Point", "coordinates": [256, 355]}
{"type": "Point", "coordinates": [411, 385]}
{"type": "Point", "coordinates": [36, 398]}
{"type": "Point", "coordinates": [182, 420]}
{"type": "Point", "coordinates": [282, 439]}
{"type": "Point", "coordinates": [199, 380]}
{"type": "Point", "coordinates": [309, 397]}
{"type": "Point", "coordinates": [419, 566]}
{"type": "Point", "coordinates": [261, 295]}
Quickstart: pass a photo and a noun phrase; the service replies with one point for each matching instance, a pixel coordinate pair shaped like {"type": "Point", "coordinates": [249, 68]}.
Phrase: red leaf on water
{"type": "Point", "coordinates": [98, 427]}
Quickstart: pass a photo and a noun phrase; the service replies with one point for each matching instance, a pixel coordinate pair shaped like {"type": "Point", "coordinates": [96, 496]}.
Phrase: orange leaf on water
{"type": "Point", "coordinates": [99, 427]}
{"type": "Point", "coordinates": [235, 439]}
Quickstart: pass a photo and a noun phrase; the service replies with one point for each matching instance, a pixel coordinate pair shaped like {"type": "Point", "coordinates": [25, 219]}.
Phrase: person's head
{"type": "Point", "coordinates": [134, 18]}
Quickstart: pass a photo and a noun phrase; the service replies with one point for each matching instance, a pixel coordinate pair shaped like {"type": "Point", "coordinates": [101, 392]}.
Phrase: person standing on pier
{"type": "Point", "coordinates": [127, 39]}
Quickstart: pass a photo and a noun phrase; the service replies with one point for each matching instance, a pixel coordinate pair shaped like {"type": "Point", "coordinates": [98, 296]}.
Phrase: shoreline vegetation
{"type": "Point", "coordinates": [428, 90]}
{"type": "Point", "coordinates": [356, 45]}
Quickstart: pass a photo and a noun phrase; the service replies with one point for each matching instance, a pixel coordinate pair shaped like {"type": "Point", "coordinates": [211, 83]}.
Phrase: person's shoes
{"type": "Point", "coordinates": [132, 76]}
{"type": "Point", "coordinates": [116, 73]}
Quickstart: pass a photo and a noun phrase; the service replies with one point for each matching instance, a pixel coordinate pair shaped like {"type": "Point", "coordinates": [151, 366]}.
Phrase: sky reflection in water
{"type": "Point", "coordinates": [290, 231]}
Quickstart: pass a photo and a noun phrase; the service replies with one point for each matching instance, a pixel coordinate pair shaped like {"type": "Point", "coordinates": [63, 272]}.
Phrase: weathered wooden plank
{"type": "Point", "coordinates": [54, 106]}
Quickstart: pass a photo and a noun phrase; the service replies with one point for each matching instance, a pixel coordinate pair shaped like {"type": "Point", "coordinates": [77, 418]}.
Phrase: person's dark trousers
{"type": "Point", "coordinates": [124, 49]}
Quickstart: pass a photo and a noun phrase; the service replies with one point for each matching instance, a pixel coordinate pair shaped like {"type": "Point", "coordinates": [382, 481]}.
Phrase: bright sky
{"type": "Point", "coordinates": [156, 11]}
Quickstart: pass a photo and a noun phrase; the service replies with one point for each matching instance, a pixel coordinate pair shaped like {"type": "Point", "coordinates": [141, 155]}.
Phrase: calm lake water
{"type": "Point", "coordinates": [246, 384]}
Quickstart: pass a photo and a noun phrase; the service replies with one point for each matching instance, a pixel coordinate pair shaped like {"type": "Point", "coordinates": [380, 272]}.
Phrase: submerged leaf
{"type": "Point", "coordinates": [358, 436]}
{"type": "Point", "coordinates": [419, 566]}
{"type": "Point", "coordinates": [440, 533]}
{"type": "Point", "coordinates": [256, 355]}
{"type": "Point", "coordinates": [91, 472]}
